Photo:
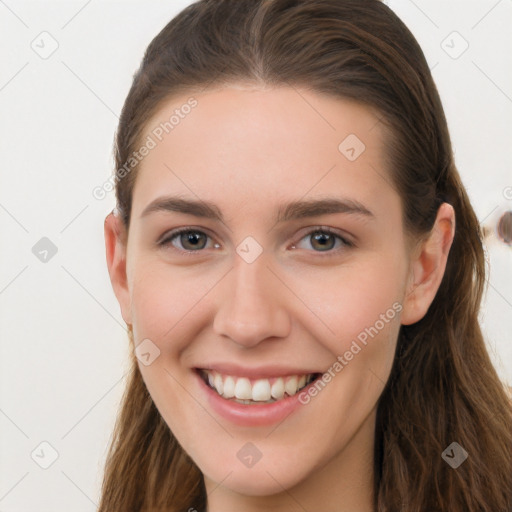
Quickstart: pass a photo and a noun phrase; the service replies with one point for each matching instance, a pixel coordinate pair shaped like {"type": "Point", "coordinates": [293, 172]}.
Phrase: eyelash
{"type": "Point", "coordinates": [166, 242]}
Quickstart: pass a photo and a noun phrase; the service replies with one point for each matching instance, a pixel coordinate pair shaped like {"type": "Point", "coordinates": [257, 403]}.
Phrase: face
{"type": "Point", "coordinates": [298, 272]}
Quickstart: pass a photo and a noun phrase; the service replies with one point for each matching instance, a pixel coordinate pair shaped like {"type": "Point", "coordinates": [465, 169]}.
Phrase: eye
{"type": "Point", "coordinates": [324, 239]}
{"type": "Point", "coordinates": [190, 240]}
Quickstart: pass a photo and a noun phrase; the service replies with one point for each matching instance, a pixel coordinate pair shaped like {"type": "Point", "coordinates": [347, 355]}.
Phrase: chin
{"type": "Point", "coordinates": [260, 480]}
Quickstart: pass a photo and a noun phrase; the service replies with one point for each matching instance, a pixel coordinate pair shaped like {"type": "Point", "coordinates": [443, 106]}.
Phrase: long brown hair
{"type": "Point", "coordinates": [443, 387]}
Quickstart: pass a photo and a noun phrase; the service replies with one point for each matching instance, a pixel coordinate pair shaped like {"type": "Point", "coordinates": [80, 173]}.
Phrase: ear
{"type": "Point", "coordinates": [115, 244]}
{"type": "Point", "coordinates": [428, 265]}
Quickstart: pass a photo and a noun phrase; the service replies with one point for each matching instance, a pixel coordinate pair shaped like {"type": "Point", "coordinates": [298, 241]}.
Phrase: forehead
{"type": "Point", "coordinates": [247, 145]}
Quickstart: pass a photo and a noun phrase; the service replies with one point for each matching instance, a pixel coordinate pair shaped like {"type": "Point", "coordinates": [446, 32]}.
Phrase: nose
{"type": "Point", "coordinates": [252, 304]}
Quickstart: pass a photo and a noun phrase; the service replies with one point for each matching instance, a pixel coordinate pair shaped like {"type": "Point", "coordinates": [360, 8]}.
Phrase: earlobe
{"type": "Point", "coordinates": [428, 266]}
{"type": "Point", "coordinates": [115, 246]}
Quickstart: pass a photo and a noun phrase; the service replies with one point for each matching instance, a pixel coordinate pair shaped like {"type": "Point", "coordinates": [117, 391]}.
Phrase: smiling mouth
{"type": "Point", "coordinates": [255, 391]}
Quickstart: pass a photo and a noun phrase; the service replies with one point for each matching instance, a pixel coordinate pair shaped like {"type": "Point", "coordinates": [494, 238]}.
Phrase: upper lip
{"type": "Point", "coordinates": [255, 372]}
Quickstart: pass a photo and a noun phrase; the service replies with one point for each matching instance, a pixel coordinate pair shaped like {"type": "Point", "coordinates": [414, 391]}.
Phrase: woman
{"type": "Point", "coordinates": [300, 271]}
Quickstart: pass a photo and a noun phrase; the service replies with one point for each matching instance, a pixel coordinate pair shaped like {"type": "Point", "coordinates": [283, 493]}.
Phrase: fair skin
{"type": "Point", "coordinates": [298, 305]}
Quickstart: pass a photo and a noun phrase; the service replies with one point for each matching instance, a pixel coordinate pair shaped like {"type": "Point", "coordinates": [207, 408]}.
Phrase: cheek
{"type": "Point", "coordinates": [361, 305]}
{"type": "Point", "coordinates": [356, 302]}
{"type": "Point", "coordinates": [372, 311]}
{"type": "Point", "coordinates": [163, 298]}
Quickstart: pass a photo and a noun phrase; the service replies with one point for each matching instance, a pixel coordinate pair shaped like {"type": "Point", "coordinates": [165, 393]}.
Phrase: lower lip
{"type": "Point", "coordinates": [252, 415]}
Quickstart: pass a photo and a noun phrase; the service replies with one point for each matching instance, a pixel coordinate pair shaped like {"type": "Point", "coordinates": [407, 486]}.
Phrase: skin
{"type": "Point", "coordinates": [249, 150]}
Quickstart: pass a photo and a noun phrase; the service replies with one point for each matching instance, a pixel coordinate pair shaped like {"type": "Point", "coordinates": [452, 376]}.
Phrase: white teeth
{"type": "Point", "coordinates": [261, 390]}
{"type": "Point", "coordinates": [290, 385]}
{"type": "Point", "coordinates": [217, 383]}
{"type": "Point", "coordinates": [241, 389]}
{"type": "Point", "coordinates": [277, 390]}
{"type": "Point", "coordinates": [229, 387]}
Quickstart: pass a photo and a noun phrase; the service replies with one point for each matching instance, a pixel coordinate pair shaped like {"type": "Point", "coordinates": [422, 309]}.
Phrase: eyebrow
{"type": "Point", "coordinates": [294, 210]}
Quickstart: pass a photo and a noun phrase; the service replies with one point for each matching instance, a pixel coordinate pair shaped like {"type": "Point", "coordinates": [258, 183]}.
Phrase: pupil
{"type": "Point", "coordinates": [192, 238]}
{"type": "Point", "coordinates": [322, 238]}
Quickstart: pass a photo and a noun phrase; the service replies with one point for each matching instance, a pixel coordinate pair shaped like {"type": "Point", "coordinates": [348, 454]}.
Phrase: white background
{"type": "Point", "coordinates": [63, 341]}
